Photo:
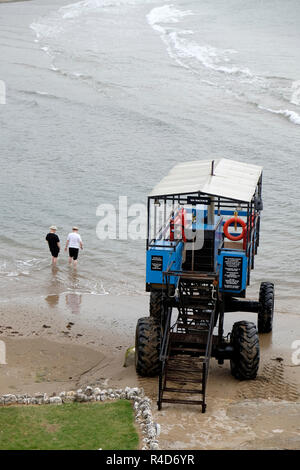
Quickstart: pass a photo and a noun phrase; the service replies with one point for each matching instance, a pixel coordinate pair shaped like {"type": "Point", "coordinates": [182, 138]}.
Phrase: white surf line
{"type": "Point", "coordinates": [75, 10]}
{"type": "Point", "coordinates": [164, 15]}
{"type": "Point", "coordinates": [291, 115]}
{"type": "Point", "coordinates": [179, 47]}
{"type": "Point", "coordinates": [54, 23]}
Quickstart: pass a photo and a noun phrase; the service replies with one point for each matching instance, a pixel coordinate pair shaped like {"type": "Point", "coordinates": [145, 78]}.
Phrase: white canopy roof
{"type": "Point", "coordinates": [230, 179]}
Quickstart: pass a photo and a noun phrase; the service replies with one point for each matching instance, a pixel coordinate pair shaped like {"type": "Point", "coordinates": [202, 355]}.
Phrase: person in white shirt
{"type": "Point", "coordinates": [74, 242]}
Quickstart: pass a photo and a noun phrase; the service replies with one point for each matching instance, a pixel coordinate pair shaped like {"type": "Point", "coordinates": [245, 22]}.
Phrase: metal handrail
{"type": "Point", "coordinates": [166, 339]}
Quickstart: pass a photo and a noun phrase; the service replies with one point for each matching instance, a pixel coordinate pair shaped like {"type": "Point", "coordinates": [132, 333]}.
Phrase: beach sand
{"type": "Point", "coordinates": [65, 342]}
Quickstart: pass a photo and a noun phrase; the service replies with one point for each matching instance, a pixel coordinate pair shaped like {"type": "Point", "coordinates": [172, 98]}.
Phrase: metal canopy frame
{"type": "Point", "coordinates": [221, 203]}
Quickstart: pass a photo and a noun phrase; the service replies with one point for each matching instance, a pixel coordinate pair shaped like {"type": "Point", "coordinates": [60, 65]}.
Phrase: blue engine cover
{"type": "Point", "coordinates": [160, 258]}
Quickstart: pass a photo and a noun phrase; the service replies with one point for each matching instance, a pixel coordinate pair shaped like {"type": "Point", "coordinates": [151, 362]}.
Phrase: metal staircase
{"type": "Point", "coordinates": [186, 345]}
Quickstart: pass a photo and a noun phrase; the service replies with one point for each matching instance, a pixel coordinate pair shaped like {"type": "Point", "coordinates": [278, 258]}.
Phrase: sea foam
{"type": "Point", "coordinates": [54, 24]}
{"type": "Point", "coordinates": [291, 115]}
{"type": "Point", "coordinates": [166, 14]}
{"type": "Point", "coordinates": [75, 10]}
{"type": "Point", "coordinates": [180, 46]}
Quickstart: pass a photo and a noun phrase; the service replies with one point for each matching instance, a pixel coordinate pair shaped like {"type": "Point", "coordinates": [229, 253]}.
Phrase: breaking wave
{"type": "Point", "coordinates": [74, 10]}
{"type": "Point", "coordinates": [55, 24]}
{"type": "Point", "coordinates": [290, 115]}
{"type": "Point", "coordinates": [181, 46]}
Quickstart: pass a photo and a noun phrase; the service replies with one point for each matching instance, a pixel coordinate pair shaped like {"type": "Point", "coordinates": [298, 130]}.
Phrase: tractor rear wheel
{"type": "Point", "coordinates": [245, 360]}
{"type": "Point", "coordinates": [156, 304]}
{"type": "Point", "coordinates": [266, 307]}
{"type": "Point", "coordinates": [147, 347]}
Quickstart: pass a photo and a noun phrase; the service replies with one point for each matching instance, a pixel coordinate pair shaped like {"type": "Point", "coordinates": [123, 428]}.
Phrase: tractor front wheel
{"type": "Point", "coordinates": [147, 347]}
{"type": "Point", "coordinates": [245, 360]}
{"type": "Point", "coordinates": [156, 305]}
{"type": "Point", "coordinates": [266, 307]}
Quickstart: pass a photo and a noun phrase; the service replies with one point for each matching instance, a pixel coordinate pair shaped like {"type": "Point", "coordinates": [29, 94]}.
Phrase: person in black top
{"type": "Point", "coordinates": [54, 244]}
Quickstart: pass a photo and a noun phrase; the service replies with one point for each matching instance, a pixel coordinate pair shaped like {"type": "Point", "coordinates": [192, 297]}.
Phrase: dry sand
{"type": "Point", "coordinates": [68, 341]}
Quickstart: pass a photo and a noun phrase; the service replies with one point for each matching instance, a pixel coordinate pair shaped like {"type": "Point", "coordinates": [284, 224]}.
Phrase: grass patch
{"type": "Point", "coordinates": [71, 426]}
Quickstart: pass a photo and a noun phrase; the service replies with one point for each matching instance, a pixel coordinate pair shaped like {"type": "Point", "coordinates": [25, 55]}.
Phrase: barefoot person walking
{"type": "Point", "coordinates": [54, 243]}
{"type": "Point", "coordinates": [74, 242]}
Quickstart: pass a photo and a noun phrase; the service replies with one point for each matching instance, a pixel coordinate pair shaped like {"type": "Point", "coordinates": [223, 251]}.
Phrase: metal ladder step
{"type": "Point", "coordinates": [182, 390]}
{"type": "Point", "coordinates": [178, 369]}
{"type": "Point", "coordinates": [186, 362]}
{"type": "Point", "coordinates": [183, 380]}
{"type": "Point", "coordinates": [183, 402]}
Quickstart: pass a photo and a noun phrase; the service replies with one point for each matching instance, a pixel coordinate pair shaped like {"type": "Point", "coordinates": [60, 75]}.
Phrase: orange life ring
{"type": "Point", "coordinates": [179, 220]}
{"type": "Point", "coordinates": [235, 220]}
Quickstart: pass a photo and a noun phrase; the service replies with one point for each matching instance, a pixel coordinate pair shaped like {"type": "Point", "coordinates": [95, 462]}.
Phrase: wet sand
{"type": "Point", "coordinates": [68, 341]}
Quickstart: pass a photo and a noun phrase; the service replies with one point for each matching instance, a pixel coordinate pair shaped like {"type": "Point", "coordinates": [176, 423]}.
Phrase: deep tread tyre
{"type": "Point", "coordinates": [245, 361]}
{"type": "Point", "coordinates": [147, 347]}
{"type": "Point", "coordinates": [266, 307]}
{"type": "Point", "coordinates": [156, 304]}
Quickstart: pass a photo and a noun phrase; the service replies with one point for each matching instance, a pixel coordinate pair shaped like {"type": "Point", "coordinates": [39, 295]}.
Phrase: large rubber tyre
{"type": "Point", "coordinates": [266, 307]}
{"type": "Point", "coordinates": [147, 347]}
{"type": "Point", "coordinates": [245, 361]}
{"type": "Point", "coordinates": [156, 306]}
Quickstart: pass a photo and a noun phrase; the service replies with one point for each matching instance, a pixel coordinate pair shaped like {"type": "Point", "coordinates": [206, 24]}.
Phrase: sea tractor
{"type": "Point", "coordinates": [202, 238]}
